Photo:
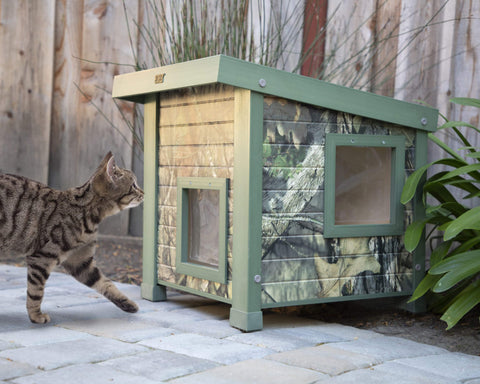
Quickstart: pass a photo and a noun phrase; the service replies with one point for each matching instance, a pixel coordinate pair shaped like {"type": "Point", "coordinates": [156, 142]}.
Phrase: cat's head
{"type": "Point", "coordinates": [117, 185]}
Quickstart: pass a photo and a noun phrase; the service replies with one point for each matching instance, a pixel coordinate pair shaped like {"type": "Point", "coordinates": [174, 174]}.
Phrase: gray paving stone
{"type": "Point", "coordinates": [212, 328]}
{"type": "Point", "coordinates": [7, 345]}
{"type": "Point", "coordinates": [285, 339]}
{"type": "Point", "coordinates": [168, 319]}
{"type": "Point", "coordinates": [272, 339]}
{"type": "Point", "coordinates": [59, 297]}
{"type": "Point", "coordinates": [14, 319]}
{"type": "Point", "coordinates": [326, 359]}
{"type": "Point", "coordinates": [387, 348]}
{"type": "Point", "coordinates": [13, 293]}
{"type": "Point", "coordinates": [101, 310]}
{"type": "Point", "coordinates": [50, 356]}
{"type": "Point", "coordinates": [127, 329]}
{"type": "Point", "coordinates": [388, 373]}
{"type": "Point", "coordinates": [41, 335]}
{"type": "Point", "coordinates": [105, 327]}
{"type": "Point", "coordinates": [253, 372]}
{"type": "Point", "coordinates": [457, 366]}
{"type": "Point", "coordinates": [83, 373]}
{"type": "Point", "coordinates": [348, 333]}
{"type": "Point", "coordinates": [314, 333]}
{"type": "Point", "coordinates": [209, 348]}
{"type": "Point", "coordinates": [11, 369]}
{"type": "Point", "coordinates": [160, 365]}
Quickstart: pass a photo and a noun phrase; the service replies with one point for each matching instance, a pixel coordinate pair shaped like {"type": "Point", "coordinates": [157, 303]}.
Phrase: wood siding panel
{"type": "Point", "coordinates": [196, 140]}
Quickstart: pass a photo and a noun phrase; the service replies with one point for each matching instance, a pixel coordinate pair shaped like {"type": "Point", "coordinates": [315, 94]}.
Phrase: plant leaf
{"type": "Point", "coordinates": [467, 169]}
{"type": "Point", "coordinates": [439, 192]}
{"type": "Point", "coordinates": [468, 101]}
{"type": "Point", "coordinates": [439, 253]}
{"type": "Point", "coordinates": [445, 147]}
{"type": "Point", "coordinates": [464, 302]}
{"type": "Point", "coordinates": [413, 234]}
{"type": "Point", "coordinates": [456, 269]}
{"type": "Point", "coordinates": [424, 286]}
{"type": "Point", "coordinates": [450, 124]}
{"type": "Point", "coordinates": [468, 220]}
{"type": "Point", "coordinates": [411, 184]}
{"type": "Point", "coordinates": [465, 246]}
{"type": "Point", "coordinates": [456, 261]}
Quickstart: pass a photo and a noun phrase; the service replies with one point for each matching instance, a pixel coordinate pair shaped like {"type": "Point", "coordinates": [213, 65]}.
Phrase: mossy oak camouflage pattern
{"type": "Point", "coordinates": [51, 227]}
{"type": "Point", "coordinates": [298, 263]}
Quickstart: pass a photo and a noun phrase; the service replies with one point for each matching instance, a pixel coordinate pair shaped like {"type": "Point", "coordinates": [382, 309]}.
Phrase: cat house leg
{"type": "Point", "coordinates": [81, 265]}
{"type": "Point", "coordinates": [38, 274]}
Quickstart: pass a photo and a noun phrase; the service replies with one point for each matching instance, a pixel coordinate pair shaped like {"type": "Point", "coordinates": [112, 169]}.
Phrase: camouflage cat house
{"type": "Point", "coordinates": [266, 189]}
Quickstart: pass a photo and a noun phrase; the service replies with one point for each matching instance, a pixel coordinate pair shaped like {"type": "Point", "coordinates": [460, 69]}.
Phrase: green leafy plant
{"type": "Point", "coordinates": [453, 224]}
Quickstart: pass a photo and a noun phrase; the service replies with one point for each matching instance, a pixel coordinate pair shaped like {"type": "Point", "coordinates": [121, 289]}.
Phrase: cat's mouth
{"type": "Point", "coordinates": [134, 203]}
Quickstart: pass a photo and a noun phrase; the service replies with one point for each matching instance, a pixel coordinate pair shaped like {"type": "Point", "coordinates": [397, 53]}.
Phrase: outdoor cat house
{"type": "Point", "coordinates": [266, 189]}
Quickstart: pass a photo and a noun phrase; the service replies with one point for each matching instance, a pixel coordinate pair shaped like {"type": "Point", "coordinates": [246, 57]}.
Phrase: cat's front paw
{"type": "Point", "coordinates": [127, 305]}
{"type": "Point", "coordinates": [39, 318]}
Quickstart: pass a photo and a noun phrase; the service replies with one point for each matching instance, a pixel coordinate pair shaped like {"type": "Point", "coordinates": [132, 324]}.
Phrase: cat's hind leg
{"type": "Point", "coordinates": [81, 265]}
{"type": "Point", "coordinates": [38, 271]}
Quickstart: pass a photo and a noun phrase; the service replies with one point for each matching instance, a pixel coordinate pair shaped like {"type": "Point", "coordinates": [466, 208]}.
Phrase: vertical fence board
{"type": "Point", "coordinates": [349, 42]}
{"type": "Point", "coordinates": [387, 23]}
{"type": "Point", "coordinates": [105, 39]}
{"type": "Point", "coordinates": [419, 51]}
{"type": "Point", "coordinates": [26, 69]}
{"type": "Point", "coordinates": [68, 43]}
{"type": "Point", "coordinates": [466, 61]}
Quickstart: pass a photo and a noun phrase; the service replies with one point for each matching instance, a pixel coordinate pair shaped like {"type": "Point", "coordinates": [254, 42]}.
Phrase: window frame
{"type": "Point", "coordinates": [182, 264]}
{"type": "Point", "coordinates": [396, 225]}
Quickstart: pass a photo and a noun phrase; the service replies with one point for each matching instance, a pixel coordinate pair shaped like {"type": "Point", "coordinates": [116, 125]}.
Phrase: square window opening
{"type": "Point", "coordinates": [364, 177]}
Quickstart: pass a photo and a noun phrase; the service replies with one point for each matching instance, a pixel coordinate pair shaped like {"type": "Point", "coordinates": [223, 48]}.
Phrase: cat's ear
{"type": "Point", "coordinates": [110, 168]}
{"type": "Point", "coordinates": [107, 166]}
{"type": "Point", "coordinates": [103, 177]}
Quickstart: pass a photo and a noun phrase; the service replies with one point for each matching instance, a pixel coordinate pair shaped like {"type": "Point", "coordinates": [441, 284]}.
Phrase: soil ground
{"type": "Point", "coordinates": [121, 260]}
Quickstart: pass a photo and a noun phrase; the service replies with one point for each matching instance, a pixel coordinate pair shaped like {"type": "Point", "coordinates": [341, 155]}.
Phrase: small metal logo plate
{"type": "Point", "coordinates": [159, 79]}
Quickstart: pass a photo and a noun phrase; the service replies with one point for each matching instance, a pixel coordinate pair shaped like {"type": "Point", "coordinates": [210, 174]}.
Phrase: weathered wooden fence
{"type": "Point", "coordinates": [58, 59]}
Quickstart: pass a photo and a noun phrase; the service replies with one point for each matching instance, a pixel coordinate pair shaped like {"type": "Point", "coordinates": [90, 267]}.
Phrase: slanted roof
{"type": "Point", "coordinates": [269, 81]}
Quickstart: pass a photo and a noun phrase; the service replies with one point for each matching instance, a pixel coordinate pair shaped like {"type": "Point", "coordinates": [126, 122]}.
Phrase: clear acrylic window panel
{"type": "Point", "coordinates": [363, 179]}
{"type": "Point", "coordinates": [203, 226]}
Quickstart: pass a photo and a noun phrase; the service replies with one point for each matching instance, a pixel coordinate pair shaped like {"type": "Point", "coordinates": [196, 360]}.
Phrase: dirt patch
{"type": "Point", "coordinates": [121, 260]}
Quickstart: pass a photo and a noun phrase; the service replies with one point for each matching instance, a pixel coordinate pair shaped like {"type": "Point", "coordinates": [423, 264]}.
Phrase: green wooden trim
{"type": "Point", "coordinates": [182, 264]}
{"type": "Point", "coordinates": [238, 73]}
{"type": "Point", "coordinates": [150, 288]}
{"type": "Point", "coordinates": [196, 292]}
{"type": "Point", "coordinates": [396, 227]}
{"type": "Point", "coordinates": [420, 305]}
{"type": "Point", "coordinates": [368, 296]}
{"type": "Point", "coordinates": [247, 211]}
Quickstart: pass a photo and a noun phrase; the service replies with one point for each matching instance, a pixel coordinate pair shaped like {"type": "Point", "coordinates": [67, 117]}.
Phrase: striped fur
{"type": "Point", "coordinates": [52, 227]}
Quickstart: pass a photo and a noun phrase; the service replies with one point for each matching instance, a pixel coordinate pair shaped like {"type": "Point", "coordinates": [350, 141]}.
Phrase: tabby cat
{"type": "Point", "coordinates": [53, 227]}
